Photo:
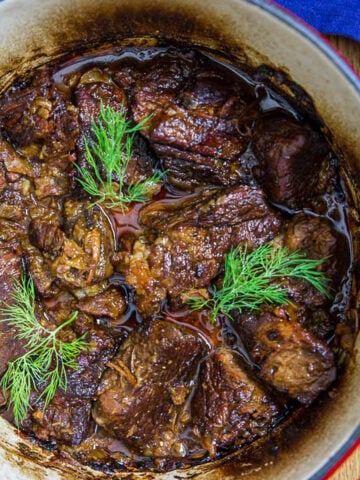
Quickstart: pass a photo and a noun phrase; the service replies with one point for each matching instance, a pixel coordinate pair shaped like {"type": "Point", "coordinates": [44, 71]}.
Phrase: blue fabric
{"type": "Point", "coordinates": [341, 17]}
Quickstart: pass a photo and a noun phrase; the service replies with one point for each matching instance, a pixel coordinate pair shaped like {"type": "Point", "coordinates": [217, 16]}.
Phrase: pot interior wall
{"type": "Point", "coordinates": [34, 32]}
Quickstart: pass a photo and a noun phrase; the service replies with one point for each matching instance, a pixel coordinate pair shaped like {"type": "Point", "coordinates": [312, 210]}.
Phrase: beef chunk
{"type": "Point", "coordinates": [88, 97]}
{"type": "Point", "coordinates": [66, 419]}
{"type": "Point", "coordinates": [291, 359]}
{"type": "Point", "coordinates": [317, 237]}
{"type": "Point", "coordinates": [294, 166]}
{"type": "Point", "coordinates": [84, 258]}
{"type": "Point", "coordinates": [13, 162]}
{"type": "Point", "coordinates": [91, 92]}
{"type": "Point", "coordinates": [96, 87]}
{"type": "Point", "coordinates": [39, 268]}
{"type": "Point", "coordinates": [52, 181]}
{"type": "Point", "coordinates": [84, 381]}
{"type": "Point", "coordinates": [10, 347]}
{"type": "Point", "coordinates": [40, 119]}
{"type": "Point", "coordinates": [110, 303]}
{"type": "Point", "coordinates": [188, 251]}
{"type": "Point", "coordinates": [10, 270]}
{"type": "Point", "coordinates": [68, 416]}
{"type": "Point", "coordinates": [198, 114]}
{"type": "Point", "coordinates": [46, 236]}
{"type": "Point", "coordinates": [142, 399]}
{"type": "Point", "coordinates": [230, 407]}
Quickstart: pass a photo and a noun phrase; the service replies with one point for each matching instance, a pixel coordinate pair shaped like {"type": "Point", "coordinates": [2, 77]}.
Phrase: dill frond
{"type": "Point", "coordinates": [112, 146]}
{"type": "Point", "coordinates": [254, 278]}
{"type": "Point", "coordinates": [47, 358]}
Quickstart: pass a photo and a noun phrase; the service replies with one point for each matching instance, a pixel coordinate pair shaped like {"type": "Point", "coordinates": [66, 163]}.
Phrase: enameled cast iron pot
{"type": "Point", "coordinates": [32, 32]}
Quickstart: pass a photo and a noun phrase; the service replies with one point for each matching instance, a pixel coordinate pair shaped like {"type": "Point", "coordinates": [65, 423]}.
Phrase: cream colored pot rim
{"type": "Point", "coordinates": [292, 20]}
{"type": "Point", "coordinates": [351, 78]}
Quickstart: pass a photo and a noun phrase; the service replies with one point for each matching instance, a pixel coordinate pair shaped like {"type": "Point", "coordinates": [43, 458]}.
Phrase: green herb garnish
{"type": "Point", "coordinates": [46, 359]}
{"type": "Point", "coordinates": [254, 278]}
{"type": "Point", "coordinates": [112, 148]}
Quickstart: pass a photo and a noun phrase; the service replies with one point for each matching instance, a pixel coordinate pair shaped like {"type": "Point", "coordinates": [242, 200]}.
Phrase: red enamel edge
{"type": "Point", "coordinates": [338, 464]}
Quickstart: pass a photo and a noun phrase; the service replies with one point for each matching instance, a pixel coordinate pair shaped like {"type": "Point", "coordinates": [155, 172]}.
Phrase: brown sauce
{"type": "Point", "coordinates": [99, 448]}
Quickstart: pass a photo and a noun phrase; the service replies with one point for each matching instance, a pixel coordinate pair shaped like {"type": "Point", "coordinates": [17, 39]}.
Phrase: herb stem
{"type": "Point", "coordinates": [45, 362]}
{"type": "Point", "coordinates": [112, 148]}
{"type": "Point", "coordinates": [254, 278]}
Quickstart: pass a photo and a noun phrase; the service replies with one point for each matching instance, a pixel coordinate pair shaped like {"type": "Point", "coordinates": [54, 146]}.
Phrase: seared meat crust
{"type": "Point", "coordinates": [189, 243]}
{"type": "Point", "coordinates": [143, 395]}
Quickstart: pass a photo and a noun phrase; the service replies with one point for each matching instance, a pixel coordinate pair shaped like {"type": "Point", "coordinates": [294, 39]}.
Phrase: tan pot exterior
{"type": "Point", "coordinates": [32, 32]}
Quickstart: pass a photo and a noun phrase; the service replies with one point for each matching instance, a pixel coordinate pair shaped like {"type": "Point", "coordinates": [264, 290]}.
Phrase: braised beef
{"type": "Point", "coordinates": [230, 407]}
{"type": "Point", "coordinates": [67, 418]}
{"type": "Point", "coordinates": [318, 238]}
{"type": "Point", "coordinates": [10, 270]}
{"type": "Point", "coordinates": [190, 254]}
{"type": "Point", "coordinates": [12, 162]}
{"type": "Point", "coordinates": [110, 303]}
{"type": "Point", "coordinates": [143, 397]}
{"type": "Point", "coordinates": [85, 254]}
{"type": "Point", "coordinates": [294, 167]}
{"type": "Point", "coordinates": [40, 120]}
{"type": "Point", "coordinates": [291, 359]}
{"type": "Point", "coordinates": [46, 236]}
{"type": "Point", "coordinates": [159, 385]}
{"type": "Point", "coordinates": [92, 91]}
{"type": "Point", "coordinates": [95, 88]}
{"type": "Point", "coordinates": [197, 119]}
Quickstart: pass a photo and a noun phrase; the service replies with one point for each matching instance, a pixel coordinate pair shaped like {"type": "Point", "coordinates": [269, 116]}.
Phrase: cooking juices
{"type": "Point", "coordinates": [230, 180]}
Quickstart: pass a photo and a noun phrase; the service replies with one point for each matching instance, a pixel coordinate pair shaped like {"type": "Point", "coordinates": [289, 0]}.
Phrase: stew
{"type": "Point", "coordinates": [175, 258]}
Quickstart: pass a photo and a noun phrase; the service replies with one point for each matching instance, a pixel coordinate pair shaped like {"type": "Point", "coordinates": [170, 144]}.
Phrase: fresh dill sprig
{"type": "Point", "coordinates": [254, 278]}
{"type": "Point", "coordinates": [46, 358]}
{"type": "Point", "coordinates": [112, 147]}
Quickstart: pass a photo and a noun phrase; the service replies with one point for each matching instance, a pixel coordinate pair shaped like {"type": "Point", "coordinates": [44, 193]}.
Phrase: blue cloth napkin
{"type": "Point", "coordinates": [341, 17]}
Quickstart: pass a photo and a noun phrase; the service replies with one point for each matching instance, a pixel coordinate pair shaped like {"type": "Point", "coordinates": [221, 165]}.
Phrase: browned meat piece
{"type": "Point", "coordinates": [13, 162]}
{"type": "Point", "coordinates": [39, 268]}
{"type": "Point", "coordinates": [198, 119]}
{"type": "Point", "coordinates": [51, 182]}
{"type": "Point", "coordinates": [44, 242]}
{"type": "Point", "coordinates": [2, 181]}
{"type": "Point", "coordinates": [67, 418]}
{"type": "Point", "coordinates": [40, 119]}
{"type": "Point", "coordinates": [93, 90]}
{"type": "Point", "coordinates": [96, 87]}
{"type": "Point", "coordinates": [10, 347]}
{"type": "Point", "coordinates": [12, 207]}
{"type": "Point", "coordinates": [46, 236]}
{"type": "Point", "coordinates": [10, 270]}
{"type": "Point", "coordinates": [291, 359]}
{"type": "Point", "coordinates": [230, 407]}
{"type": "Point", "coordinates": [189, 251]}
{"type": "Point", "coordinates": [47, 210]}
{"type": "Point", "coordinates": [143, 396]}
{"type": "Point", "coordinates": [84, 258]}
{"type": "Point", "coordinates": [317, 238]}
{"type": "Point", "coordinates": [60, 307]}
{"type": "Point", "coordinates": [5, 154]}
{"type": "Point", "coordinates": [110, 303]}
{"type": "Point", "coordinates": [294, 167]}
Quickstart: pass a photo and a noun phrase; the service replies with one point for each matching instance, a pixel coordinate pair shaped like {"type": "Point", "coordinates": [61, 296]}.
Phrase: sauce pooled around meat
{"type": "Point", "coordinates": [174, 258]}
